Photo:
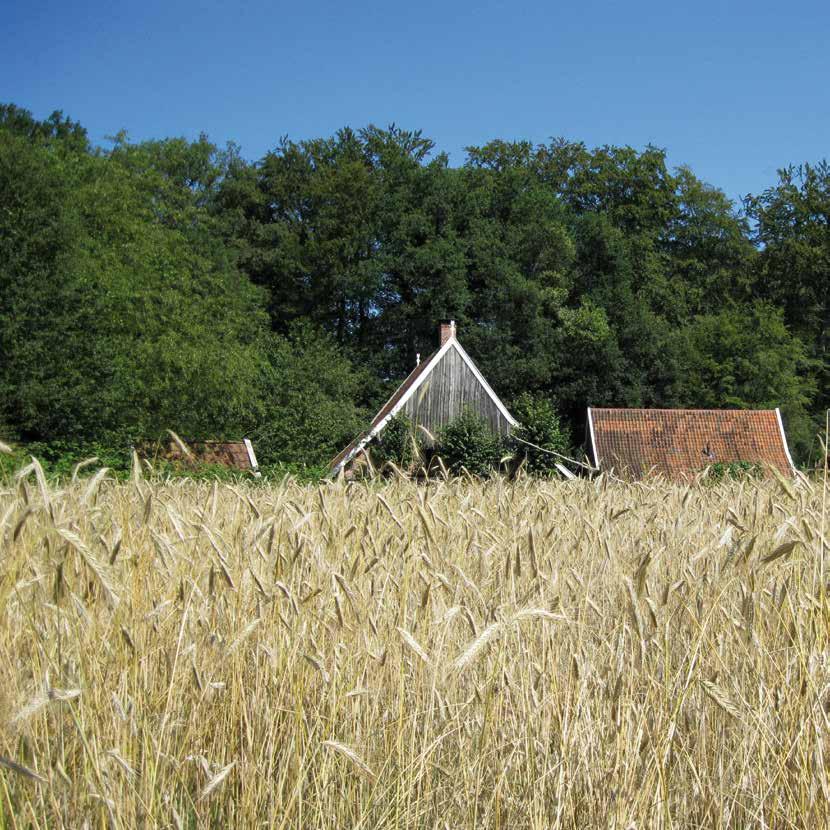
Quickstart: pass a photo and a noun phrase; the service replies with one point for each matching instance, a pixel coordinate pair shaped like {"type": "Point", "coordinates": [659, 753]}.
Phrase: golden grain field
{"type": "Point", "coordinates": [464, 654]}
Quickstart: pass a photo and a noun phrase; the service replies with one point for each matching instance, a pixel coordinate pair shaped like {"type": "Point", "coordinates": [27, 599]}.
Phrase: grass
{"type": "Point", "coordinates": [61, 462]}
{"type": "Point", "coordinates": [463, 654]}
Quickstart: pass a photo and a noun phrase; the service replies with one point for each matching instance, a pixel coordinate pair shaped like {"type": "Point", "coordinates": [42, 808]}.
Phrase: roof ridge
{"type": "Point", "coordinates": [673, 409]}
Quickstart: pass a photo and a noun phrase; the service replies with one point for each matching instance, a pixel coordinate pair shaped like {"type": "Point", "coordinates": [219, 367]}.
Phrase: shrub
{"type": "Point", "coordinates": [468, 443]}
{"type": "Point", "coordinates": [59, 458]}
{"type": "Point", "coordinates": [11, 462]}
{"type": "Point", "coordinates": [734, 470]}
{"type": "Point", "coordinates": [397, 444]}
{"type": "Point", "coordinates": [539, 424]}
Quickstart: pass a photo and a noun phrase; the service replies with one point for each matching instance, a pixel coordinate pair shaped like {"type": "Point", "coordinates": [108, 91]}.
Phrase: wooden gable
{"type": "Point", "coordinates": [434, 393]}
{"type": "Point", "coordinates": [452, 385]}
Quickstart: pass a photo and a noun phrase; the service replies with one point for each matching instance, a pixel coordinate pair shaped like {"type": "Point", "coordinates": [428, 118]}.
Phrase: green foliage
{"type": "Point", "coordinates": [172, 284]}
{"type": "Point", "coordinates": [709, 248]}
{"type": "Point", "coordinates": [60, 461]}
{"type": "Point", "coordinates": [539, 424]}
{"type": "Point", "coordinates": [162, 470]}
{"type": "Point", "coordinates": [304, 473]}
{"type": "Point", "coordinates": [467, 443]}
{"type": "Point", "coordinates": [11, 462]}
{"type": "Point", "coordinates": [57, 130]}
{"type": "Point", "coordinates": [116, 323]}
{"type": "Point", "coordinates": [60, 458]}
{"type": "Point", "coordinates": [734, 470]}
{"type": "Point", "coordinates": [745, 357]}
{"type": "Point", "coordinates": [397, 443]}
{"type": "Point", "coordinates": [793, 268]}
{"type": "Point", "coordinates": [308, 392]}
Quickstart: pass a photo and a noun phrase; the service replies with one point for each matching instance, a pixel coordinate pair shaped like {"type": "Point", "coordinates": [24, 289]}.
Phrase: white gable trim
{"type": "Point", "coordinates": [251, 457]}
{"type": "Point", "coordinates": [784, 438]}
{"type": "Point", "coordinates": [415, 386]}
{"type": "Point", "coordinates": [777, 415]}
{"type": "Point", "coordinates": [480, 378]}
{"type": "Point", "coordinates": [378, 428]}
{"type": "Point", "coordinates": [566, 473]}
{"type": "Point", "coordinates": [395, 409]}
{"type": "Point", "coordinates": [593, 438]}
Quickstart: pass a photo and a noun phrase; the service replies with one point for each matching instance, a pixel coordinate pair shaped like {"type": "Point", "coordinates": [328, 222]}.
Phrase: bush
{"type": "Point", "coordinates": [59, 458]}
{"type": "Point", "coordinates": [304, 473]}
{"type": "Point", "coordinates": [11, 462]}
{"type": "Point", "coordinates": [539, 424]}
{"type": "Point", "coordinates": [468, 443]}
{"type": "Point", "coordinates": [734, 470]}
{"type": "Point", "coordinates": [397, 444]}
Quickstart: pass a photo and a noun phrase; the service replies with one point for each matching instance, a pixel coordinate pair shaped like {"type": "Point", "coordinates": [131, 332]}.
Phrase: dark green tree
{"type": "Point", "coordinates": [309, 389]}
{"type": "Point", "coordinates": [709, 251]}
{"type": "Point", "coordinates": [310, 231]}
{"type": "Point", "coordinates": [421, 256]}
{"type": "Point", "coordinates": [744, 357]}
{"type": "Point", "coordinates": [793, 266]}
{"type": "Point", "coordinates": [521, 253]}
{"type": "Point", "coordinates": [539, 424]}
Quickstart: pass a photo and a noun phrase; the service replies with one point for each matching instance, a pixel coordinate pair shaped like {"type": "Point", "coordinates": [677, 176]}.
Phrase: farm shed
{"type": "Point", "coordinates": [238, 455]}
{"type": "Point", "coordinates": [679, 443]}
{"type": "Point", "coordinates": [436, 391]}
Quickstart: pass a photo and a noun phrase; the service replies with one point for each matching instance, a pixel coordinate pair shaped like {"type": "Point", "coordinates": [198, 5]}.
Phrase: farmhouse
{"type": "Point", "coordinates": [679, 443]}
{"type": "Point", "coordinates": [436, 391]}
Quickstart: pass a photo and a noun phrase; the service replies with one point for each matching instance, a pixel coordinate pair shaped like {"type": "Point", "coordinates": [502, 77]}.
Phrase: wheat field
{"type": "Point", "coordinates": [459, 654]}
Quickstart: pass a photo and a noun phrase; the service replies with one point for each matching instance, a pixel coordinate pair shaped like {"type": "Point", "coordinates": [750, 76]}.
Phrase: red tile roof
{"type": "Point", "coordinates": [678, 443]}
{"type": "Point", "coordinates": [232, 454]}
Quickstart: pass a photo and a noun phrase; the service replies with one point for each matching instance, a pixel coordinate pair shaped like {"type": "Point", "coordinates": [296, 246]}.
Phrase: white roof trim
{"type": "Point", "coordinates": [250, 448]}
{"type": "Point", "coordinates": [784, 438]}
{"type": "Point", "coordinates": [593, 438]}
{"type": "Point", "coordinates": [418, 381]}
{"type": "Point", "coordinates": [777, 415]}
{"type": "Point", "coordinates": [452, 342]}
{"type": "Point", "coordinates": [566, 473]}
{"type": "Point", "coordinates": [480, 378]}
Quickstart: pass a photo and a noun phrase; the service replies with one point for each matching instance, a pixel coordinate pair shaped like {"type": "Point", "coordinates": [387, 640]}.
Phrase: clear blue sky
{"type": "Point", "coordinates": [734, 89]}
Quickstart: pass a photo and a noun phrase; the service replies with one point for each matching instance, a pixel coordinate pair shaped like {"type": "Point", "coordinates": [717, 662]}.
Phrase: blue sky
{"type": "Point", "coordinates": [733, 89]}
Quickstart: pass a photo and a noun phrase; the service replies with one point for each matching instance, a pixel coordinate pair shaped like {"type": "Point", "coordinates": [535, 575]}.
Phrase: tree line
{"type": "Point", "coordinates": [175, 284]}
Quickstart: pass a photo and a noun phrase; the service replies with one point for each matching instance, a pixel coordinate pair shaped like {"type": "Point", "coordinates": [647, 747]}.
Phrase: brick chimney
{"type": "Point", "coordinates": [446, 332]}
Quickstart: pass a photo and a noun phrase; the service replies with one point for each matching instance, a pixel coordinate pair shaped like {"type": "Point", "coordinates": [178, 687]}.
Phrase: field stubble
{"type": "Point", "coordinates": [463, 654]}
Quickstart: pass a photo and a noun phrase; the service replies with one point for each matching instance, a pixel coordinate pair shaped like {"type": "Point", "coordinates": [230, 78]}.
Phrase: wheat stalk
{"type": "Point", "coordinates": [347, 752]}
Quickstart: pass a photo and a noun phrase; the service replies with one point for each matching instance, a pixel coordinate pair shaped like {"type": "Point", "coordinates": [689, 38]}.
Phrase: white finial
{"type": "Point", "coordinates": [418, 359]}
{"type": "Point", "coordinates": [452, 327]}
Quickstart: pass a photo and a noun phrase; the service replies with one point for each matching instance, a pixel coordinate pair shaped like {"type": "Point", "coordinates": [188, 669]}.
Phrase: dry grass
{"type": "Point", "coordinates": [467, 654]}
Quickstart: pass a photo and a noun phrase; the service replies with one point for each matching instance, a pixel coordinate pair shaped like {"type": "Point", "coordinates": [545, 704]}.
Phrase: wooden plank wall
{"type": "Point", "coordinates": [450, 387]}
